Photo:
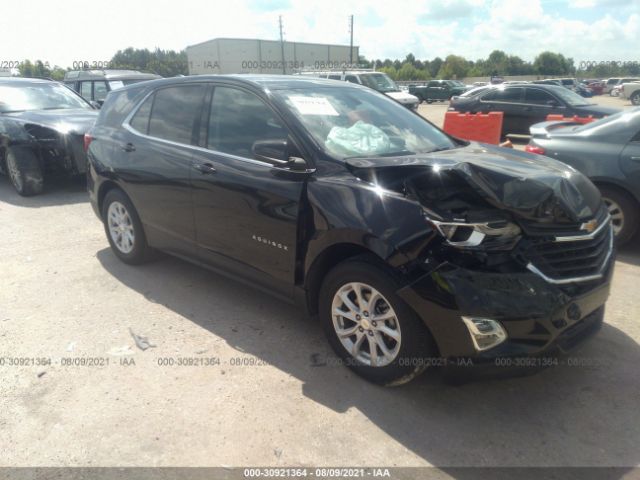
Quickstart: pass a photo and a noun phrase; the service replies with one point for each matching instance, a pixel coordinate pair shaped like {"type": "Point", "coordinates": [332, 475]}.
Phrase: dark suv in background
{"type": "Point", "coordinates": [414, 249]}
{"type": "Point", "coordinates": [526, 104]}
{"type": "Point", "coordinates": [94, 85]}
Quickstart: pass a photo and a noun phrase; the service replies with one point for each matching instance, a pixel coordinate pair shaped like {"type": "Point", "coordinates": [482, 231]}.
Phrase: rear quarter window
{"type": "Point", "coordinates": [118, 105]}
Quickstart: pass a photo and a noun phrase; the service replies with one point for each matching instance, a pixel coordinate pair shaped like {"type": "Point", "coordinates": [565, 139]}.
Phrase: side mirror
{"type": "Point", "coordinates": [271, 151]}
{"type": "Point", "coordinates": [552, 103]}
{"type": "Point", "coordinates": [278, 152]}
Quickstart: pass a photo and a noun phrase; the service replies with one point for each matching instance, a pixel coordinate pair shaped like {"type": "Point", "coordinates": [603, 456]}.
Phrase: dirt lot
{"type": "Point", "coordinates": [261, 392]}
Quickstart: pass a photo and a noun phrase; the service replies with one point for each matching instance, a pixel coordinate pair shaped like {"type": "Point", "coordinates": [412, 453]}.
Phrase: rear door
{"type": "Point", "coordinates": [246, 211]}
{"type": "Point", "coordinates": [508, 100]}
{"type": "Point", "coordinates": [157, 149]}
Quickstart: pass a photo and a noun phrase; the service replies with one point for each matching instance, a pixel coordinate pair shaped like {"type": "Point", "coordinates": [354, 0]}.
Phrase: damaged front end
{"type": "Point", "coordinates": [523, 256]}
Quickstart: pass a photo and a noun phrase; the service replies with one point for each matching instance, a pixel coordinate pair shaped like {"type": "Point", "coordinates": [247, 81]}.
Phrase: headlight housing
{"type": "Point", "coordinates": [497, 234]}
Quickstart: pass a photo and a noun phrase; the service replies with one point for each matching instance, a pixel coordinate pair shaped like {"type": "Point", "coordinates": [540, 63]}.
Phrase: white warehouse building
{"type": "Point", "coordinates": [237, 55]}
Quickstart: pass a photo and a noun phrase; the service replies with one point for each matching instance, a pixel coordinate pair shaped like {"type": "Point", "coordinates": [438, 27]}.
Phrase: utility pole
{"type": "Point", "coordinates": [351, 42]}
{"type": "Point", "coordinates": [284, 69]}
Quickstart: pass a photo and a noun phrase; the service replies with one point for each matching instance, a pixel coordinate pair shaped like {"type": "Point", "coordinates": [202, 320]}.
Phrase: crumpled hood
{"type": "Point", "coordinates": [530, 186]}
{"type": "Point", "coordinates": [76, 121]}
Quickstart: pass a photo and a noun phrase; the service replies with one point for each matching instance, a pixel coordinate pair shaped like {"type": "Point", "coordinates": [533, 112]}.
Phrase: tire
{"type": "Point", "coordinates": [124, 229]}
{"type": "Point", "coordinates": [624, 213]}
{"type": "Point", "coordinates": [24, 171]}
{"type": "Point", "coordinates": [429, 101]}
{"type": "Point", "coordinates": [407, 356]}
{"type": "Point", "coordinates": [635, 98]}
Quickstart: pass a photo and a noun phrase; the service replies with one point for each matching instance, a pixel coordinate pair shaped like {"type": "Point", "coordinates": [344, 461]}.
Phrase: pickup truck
{"type": "Point", "coordinates": [631, 91]}
{"type": "Point", "coordinates": [438, 90]}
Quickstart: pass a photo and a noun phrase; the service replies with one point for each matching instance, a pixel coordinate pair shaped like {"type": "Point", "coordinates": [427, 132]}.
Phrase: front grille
{"type": "Point", "coordinates": [563, 260]}
{"type": "Point", "coordinates": [537, 229]}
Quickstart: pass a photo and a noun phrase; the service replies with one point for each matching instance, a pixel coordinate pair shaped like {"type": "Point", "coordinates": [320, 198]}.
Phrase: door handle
{"type": "Point", "coordinates": [129, 147]}
{"type": "Point", "coordinates": [635, 159]}
{"type": "Point", "coordinates": [205, 168]}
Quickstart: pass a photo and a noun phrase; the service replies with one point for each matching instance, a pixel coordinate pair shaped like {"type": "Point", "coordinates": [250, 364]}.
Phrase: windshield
{"type": "Point", "coordinates": [355, 122]}
{"type": "Point", "coordinates": [570, 97]}
{"type": "Point", "coordinates": [379, 81]}
{"type": "Point", "coordinates": [38, 96]}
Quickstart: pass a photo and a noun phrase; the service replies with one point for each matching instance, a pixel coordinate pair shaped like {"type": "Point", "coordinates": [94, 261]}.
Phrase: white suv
{"type": "Point", "coordinates": [377, 80]}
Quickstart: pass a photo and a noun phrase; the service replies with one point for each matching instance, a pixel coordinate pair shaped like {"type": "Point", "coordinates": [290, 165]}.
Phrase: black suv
{"type": "Point", "coordinates": [414, 249]}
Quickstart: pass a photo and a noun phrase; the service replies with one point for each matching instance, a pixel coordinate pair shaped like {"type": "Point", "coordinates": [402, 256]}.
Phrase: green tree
{"type": "Point", "coordinates": [167, 63]}
{"type": "Point", "coordinates": [550, 63]}
{"type": "Point", "coordinates": [454, 66]}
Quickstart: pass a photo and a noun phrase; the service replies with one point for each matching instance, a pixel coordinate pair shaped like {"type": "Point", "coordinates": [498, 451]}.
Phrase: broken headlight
{"type": "Point", "coordinates": [498, 234]}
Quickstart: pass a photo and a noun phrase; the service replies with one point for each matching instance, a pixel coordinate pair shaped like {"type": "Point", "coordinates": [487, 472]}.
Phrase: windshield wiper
{"type": "Point", "coordinates": [382, 155]}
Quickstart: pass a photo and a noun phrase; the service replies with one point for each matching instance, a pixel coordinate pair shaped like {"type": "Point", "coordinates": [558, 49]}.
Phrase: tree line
{"type": "Point", "coordinates": [169, 63]}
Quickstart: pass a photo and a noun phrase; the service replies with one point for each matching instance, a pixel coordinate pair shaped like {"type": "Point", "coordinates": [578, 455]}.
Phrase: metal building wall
{"type": "Point", "coordinates": [227, 55]}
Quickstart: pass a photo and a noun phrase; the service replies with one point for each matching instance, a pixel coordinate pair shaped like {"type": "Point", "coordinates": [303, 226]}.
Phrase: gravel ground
{"type": "Point", "coordinates": [261, 390]}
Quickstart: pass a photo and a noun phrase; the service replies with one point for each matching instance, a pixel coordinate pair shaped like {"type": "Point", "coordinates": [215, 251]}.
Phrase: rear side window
{"type": "Point", "coordinates": [335, 77]}
{"type": "Point", "coordinates": [504, 95]}
{"type": "Point", "coordinates": [238, 119]}
{"type": "Point", "coordinates": [537, 96]}
{"type": "Point", "coordinates": [85, 90]}
{"type": "Point", "coordinates": [140, 120]}
{"type": "Point", "coordinates": [175, 112]}
{"type": "Point", "coordinates": [352, 79]}
{"type": "Point", "coordinates": [434, 84]}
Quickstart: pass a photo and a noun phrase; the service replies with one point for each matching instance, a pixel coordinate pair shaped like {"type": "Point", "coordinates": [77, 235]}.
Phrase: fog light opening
{"type": "Point", "coordinates": [485, 333]}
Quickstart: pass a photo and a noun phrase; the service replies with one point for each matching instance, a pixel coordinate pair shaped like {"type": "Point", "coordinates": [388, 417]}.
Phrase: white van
{"type": "Point", "coordinates": [369, 78]}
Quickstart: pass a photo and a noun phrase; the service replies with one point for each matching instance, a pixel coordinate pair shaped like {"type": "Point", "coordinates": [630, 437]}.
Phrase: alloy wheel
{"type": "Point", "coordinates": [617, 215]}
{"type": "Point", "coordinates": [14, 173]}
{"type": "Point", "coordinates": [121, 227]}
{"type": "Point", "coordinates": [366, 324]}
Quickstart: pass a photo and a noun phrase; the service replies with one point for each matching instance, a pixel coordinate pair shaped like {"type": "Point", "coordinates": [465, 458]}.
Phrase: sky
{"type": "Point", "coordinates": [586, 30]}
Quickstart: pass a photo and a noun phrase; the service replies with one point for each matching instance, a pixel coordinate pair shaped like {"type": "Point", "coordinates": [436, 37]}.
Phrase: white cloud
{"type": "Point", "coordinates": [61, 32]}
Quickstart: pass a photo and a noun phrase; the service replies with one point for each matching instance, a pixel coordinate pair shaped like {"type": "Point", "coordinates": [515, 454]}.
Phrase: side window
{"type": "Point", "coordinates": [504, 95]}
{"type": "Point", "coordinates": [175, 112]}
{"type": "Point", "coordinates": [100, 91]}
{"type": "Point", "coordinates": [433, 84]}
{"type": "Point", "coordinates": [538, 97]}
{"type": "Point", "coordinates": [238, 119]}
{"type": "Point", "coordinates": [71, 85]}
{"type": "Point", "coordinates": [85, 90]}
{"type": "Point", "coordinates": [335, 76]}
{"type": "Point", "coordinates": [140, 120]}
{"type": "Point", "coordinates": [352, 79]}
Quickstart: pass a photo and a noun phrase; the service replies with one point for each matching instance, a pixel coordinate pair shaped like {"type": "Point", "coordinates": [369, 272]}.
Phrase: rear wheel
{"type": "Point", "coordinates": [124, 229]}
{"type": "Point", "coordinates": [635, 98]}
{"type": "Point", "coordinates": [24, 170]}
{"type": "Point", "coordinates": [370, 328]}
{"type": "Point", "coordinates": [624, 213]}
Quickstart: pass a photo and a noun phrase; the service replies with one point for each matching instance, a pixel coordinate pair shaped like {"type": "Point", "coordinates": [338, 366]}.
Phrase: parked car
{"type": "Point", "coordinates": [524, 105]}
{"type": "Point", "coordinates": [631, 91]}
{"type": "Point", "coordinates": [616, 88]}
{"type": "Point", "coordinates": [412, 248]}
{"type": "Point", "coordinates": [608, 152]}
{"type": "Point", "coordinates": [596, 87]}
{"type": "Point", "coordinates": [379, 81]}
{"type": "Point", "coordinates": [94, 85]}
{"type": "Point", "coordinates": [42, 126]}
{"type": "Point", "coordinates": [438, 90]}
{"type": "Point", "coordinates": [609, 84]}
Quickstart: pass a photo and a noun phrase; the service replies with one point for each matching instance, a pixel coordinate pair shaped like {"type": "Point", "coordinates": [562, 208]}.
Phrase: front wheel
{"type": "Point", "coordinates": [635, 98]}
{"type": "Point", "coordinates": [124, 229]}
{"type": "Point", "coordinates": [623, 211]}
{"type": "Point", "coordinates": [24, 171]}
{"type": "Point", "coordinates": [370, 328]}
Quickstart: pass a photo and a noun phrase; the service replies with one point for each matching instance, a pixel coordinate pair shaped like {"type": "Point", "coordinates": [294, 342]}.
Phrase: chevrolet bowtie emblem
{"type": "Point", "coordinates": [589, 226]}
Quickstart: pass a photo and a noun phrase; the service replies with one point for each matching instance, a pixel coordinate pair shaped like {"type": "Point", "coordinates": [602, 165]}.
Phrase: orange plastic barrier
{"type": "Point", "coordinates": [478, 127]}
{"type": "Point", "coordinates": [560, 118]}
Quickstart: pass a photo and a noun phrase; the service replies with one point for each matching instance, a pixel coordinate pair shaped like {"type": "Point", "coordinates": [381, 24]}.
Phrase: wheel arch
{"type": "Point", "coordinates": [608, 183]}
{"type": "Point", "coordinates": [328, 258]}
{"type": "Point", "coordinates": [105, 188]}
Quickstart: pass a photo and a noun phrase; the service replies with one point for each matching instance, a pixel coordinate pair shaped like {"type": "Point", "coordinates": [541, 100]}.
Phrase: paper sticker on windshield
{"type": "Point", "coordinates": [314, 106]}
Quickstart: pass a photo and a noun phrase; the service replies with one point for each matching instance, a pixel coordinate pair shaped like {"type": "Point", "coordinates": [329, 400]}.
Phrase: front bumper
{"type": "Point", "coordinates": [540, 318]}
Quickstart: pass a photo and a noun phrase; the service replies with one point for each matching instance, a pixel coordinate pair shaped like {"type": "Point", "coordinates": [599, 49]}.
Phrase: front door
{"type": "Point", "coordinates": [246, 213]}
